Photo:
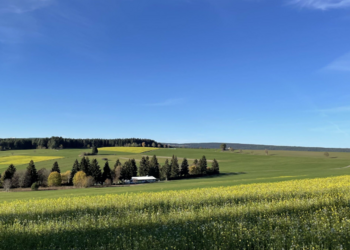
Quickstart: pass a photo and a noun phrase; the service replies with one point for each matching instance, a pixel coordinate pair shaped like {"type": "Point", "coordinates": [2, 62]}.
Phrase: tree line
{"type": "Point", "coordinates": [88, 173]}
{"type": "Point", "coordinates": [59, 142]}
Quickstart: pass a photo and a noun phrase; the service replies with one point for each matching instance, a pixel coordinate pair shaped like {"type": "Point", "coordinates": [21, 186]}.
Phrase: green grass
{"type": "Point", "coordinates": [277, 166]}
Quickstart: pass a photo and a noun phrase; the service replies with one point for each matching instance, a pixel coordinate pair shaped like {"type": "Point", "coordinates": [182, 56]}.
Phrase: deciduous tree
{"type": "Point", "coordinates": [54, 179]}
{"type": "Point", "coordinates": [223, 146]}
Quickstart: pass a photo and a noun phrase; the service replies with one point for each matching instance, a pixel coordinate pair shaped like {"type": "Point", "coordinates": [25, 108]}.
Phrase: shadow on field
{"type": "Point", "coordinates": [140, 233]}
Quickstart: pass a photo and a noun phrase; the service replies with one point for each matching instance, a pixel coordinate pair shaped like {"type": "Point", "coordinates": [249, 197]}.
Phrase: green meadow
{"type": "Point", "coordinates": [235, 167]}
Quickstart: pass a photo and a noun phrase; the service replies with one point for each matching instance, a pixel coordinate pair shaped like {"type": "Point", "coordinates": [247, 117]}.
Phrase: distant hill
{"type": "Point", "coordinates": [257, 147]}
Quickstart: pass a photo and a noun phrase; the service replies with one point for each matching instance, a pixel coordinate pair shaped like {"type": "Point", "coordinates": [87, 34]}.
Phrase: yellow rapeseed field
{"type": "Point", "coordinates": [299, 214]}
{"type": "Point", "coordinates": [24, 159]}
{"type": "Point", "coordinates": [134, 150]}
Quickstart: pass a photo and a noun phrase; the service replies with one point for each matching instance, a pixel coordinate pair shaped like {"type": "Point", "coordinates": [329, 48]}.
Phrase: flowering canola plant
{"type": "Point", "coordinates": [299, 214]}
{"type": "Point", "coordinates": [134, 150]}
{"type": "Point", "coordinates": [24, 159]}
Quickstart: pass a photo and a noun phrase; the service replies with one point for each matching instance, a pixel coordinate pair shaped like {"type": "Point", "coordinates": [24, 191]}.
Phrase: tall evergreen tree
{"type": "Point", "coordinates": [95, 171]}
{"type": "Point", "coordinates": [55, 167]}
{"type": "Point", "coordinates": [126, 172]}
{"type": "Point", "coordinates": [133, 167]}
{"type": "Point", "coordinates": [107, 173]}
{"type": "Point", "coordinates": [31, 174]}
{"type": "Point", "coordinates": [144, 167]}
{"type": "Point", "coordinates": [184, 168]}
{"type": "Point", "coordinates": [117, 163]}
{"type": "Point", "coordinates": [203, 165]}
{"type": "Point", "coordinates": [9, 173]}
{"type": "Point", "coordinates": [85, 165]}
{"type": "Point", "coordinates": [75, 169]}
{"type": "Point", "coordinates": [215, 167]}
{"type": "Point", "coordinates": [195, 162]}
{"type": "Point", "coordinates": [166, 170]}
{"type": "Point", "coordinates": [174, 167]}
{"type": "Point", "coordinates": [94, 150]}
{"type": "Point", "coordinates": [154, 167]}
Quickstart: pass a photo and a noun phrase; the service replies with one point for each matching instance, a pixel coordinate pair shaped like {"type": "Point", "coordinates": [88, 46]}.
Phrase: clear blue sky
{"type": "Point", "coordinates": [263, 72]}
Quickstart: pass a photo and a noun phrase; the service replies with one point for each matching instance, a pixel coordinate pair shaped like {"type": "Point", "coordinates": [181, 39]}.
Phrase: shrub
{"type": "Point", "coordinates": [88, 181]}
{"type": "Point", "coordinates": [54, 179]}
{"type": "Point", "coordinates": [108, 182]}
{"type": "Point", "coordinates": [78, 179]}
{"type": "Point", "coordinates": [66, 177]}
{"type": "Point", "coordinates": [35, 186]}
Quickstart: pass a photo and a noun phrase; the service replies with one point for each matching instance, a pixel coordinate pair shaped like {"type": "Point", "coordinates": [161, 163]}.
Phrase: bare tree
{"type": "Point", "coordinates": [266, 152]}
{"type": "Point", "coordinates": [7, 185]}
{"type": "Point", "coordinates": [326, 154]}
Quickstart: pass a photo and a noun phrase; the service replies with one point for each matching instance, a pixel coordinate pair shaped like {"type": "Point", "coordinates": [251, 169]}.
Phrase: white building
{"type": "Point", "coordinates": [143, 179]}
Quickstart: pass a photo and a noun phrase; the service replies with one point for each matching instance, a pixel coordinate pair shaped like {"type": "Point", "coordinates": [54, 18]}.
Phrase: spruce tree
{"type": "Point", "coordinates": [95, 171]}
{"type": "Point", "coordinates": [144, 167]}
{"type": "Point", "coordinates": [9, 173]}
{"type": "Point", "coordinates": [154, 167]}
{"type": "Point", "coordinates": [55, 167]}
{"type": "Point", "coordinates": [117, 163]}
{"type": "Point", "coordinates": [107, 173]}
{"type": "Point", "coordinates": [184, 168]}
{"type": "Point", "coordinates": [215, 167]}
{"type": "Point", "coordinates": [126, 172]}
{"type": "Point", "coordinates": [166, 170]}
{"type": "Point", "coordinates": [133, 167]}
{"type": "Point", "coordinates": [85, 165]}
{"type": "Point", "coordinates": [75, 169]}
{"type": "Point", "coordinates": [203, 165]}
{"type": "Point", "coordinates": [174, 167]}
{"type": "Point", "coordinates": [94, 150]}
{"type": "Point", "coordinates": [31, 174]}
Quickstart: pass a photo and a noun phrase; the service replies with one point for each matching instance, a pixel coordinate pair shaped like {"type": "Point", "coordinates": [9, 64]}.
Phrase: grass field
{"type": "Point", "coordinates": [259, 168]}
{"type": "Point", "coordinates": [299, 214]}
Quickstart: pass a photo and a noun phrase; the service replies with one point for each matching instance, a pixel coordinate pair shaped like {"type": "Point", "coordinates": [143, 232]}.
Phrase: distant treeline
{"type": "Point", "coordinates": [238, 146]}
{"type": "Point", "coordinates": [59, 142]}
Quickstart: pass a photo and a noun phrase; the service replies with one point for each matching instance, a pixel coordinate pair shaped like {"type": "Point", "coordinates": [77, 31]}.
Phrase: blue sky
{"type": "Point", "coordinates": [262, 72]}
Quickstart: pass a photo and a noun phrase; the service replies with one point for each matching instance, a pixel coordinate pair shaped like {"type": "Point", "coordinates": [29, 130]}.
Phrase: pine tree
{"type": "Point", "coordinates": [174, 167]}
{"type": "Point", "coordinates": [85, 165]}
{"type": "Point", "coordinates": [133, 167]}
{"type": "Point", "coordinates": [94, 150]}
{"type": "Point", "coordinates": [95, 171]}
{"type": "Point", "coordinates": [184, 168]}
{"type": "Point", "coordinates": [9, 173]}
{"type": "Point", "coordinates": [55, 167]}
{"type": "Point", "coordinates": [144, 167]}
{"type": "Point", "coordinates": [154, 167]}
{"type": "Point", "coordinates": [126, 172]}
{"type": "Point", "coordinates": [75, 169]}
{"type": "Point", "coordinates": [31, 174]}
{"type": "Point", "coordinates": [117, 163]}
{"type": "Point", "coordinates": [107, 173]}
{"type": "Point", "coordinates": [203, 165]}
{"type": "Point", "coordinates": [166, 170]}
{"type": "Point", "coordinates": [215, 167]}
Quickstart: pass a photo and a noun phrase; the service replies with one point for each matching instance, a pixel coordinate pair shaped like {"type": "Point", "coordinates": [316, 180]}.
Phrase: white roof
{"type": "Point", "coordinates": [143, 178]}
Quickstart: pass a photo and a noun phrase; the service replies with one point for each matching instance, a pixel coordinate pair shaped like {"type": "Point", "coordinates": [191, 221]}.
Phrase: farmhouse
{"type": "Point", "coordinates": [143, 179]}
